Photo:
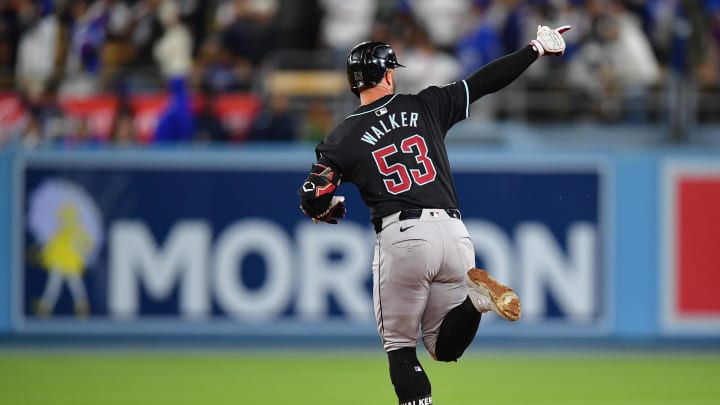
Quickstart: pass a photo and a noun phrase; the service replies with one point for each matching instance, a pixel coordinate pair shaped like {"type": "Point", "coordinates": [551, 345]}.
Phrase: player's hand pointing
{"type": "Point", "coordinates": [549, 41]}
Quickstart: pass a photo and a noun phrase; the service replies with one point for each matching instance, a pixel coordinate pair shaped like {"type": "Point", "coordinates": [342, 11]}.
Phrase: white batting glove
{"type": "Point", "coordinates": [549, 41]}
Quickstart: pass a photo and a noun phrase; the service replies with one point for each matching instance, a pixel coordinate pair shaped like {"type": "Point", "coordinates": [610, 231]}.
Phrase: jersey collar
{"type": "Point", "coordinates": [370, 106]}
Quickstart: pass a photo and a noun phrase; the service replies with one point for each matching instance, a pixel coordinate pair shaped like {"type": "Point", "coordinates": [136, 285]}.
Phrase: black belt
{"type": "Point", "coordinates": [414, 213]}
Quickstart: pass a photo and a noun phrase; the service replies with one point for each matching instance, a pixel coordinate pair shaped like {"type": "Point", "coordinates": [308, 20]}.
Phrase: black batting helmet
{"type": "Point", "coordinates": [367, 63]}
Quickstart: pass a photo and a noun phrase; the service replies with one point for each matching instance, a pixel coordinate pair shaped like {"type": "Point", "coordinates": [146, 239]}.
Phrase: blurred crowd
{"type": "Point", "coordinates": [621, 54]}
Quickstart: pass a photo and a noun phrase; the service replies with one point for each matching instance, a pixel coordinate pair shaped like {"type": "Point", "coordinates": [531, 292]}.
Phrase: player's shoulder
{"type": "Point", "coordinates": [341, 133]}
{"type": "Point", "coordinates": [444, 96]}
{"type": "Point", "coordinates": [448, 88]}
{"type": "Point", "coordinates": [336, 135]}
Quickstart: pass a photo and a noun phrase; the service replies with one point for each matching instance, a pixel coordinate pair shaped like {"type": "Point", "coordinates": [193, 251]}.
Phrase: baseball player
{"type": "Point", "coordinates": [392, 148]}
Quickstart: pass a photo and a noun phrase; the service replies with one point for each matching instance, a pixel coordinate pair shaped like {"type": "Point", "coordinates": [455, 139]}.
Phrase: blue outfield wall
{"type": "Point", "coordinates": [6, 251]}
{"type": "Point", "coordinates": [635, 240]}
{"type": "Point", "coordinates": [210, 242]}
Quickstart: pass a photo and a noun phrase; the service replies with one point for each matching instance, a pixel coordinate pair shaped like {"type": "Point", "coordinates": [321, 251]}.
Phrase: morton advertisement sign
{"type": "Point", "coordinates": [138, 245]}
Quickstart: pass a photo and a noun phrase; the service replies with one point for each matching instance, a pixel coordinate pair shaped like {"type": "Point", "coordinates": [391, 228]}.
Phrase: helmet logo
{"type": "Point", "coordinates": [358, 76]}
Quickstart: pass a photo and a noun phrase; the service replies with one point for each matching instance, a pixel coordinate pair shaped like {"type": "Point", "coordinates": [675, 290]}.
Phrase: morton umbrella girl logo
{"type": "Point", "coordinates": [67, 224]}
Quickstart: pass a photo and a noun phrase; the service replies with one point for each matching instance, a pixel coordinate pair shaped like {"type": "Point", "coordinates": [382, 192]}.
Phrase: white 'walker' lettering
{"type": "Point", "coordinates": [386, 124]}
{"type": "Point", "coordinates": [421, 401]}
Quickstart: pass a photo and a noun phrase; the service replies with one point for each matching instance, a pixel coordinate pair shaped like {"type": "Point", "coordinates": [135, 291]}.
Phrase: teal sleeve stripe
{"type": "Point", "coordinates": [467, 99]}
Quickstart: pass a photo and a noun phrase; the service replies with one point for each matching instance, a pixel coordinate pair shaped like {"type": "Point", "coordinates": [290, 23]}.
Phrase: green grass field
{"type": "Point", "coordinates": [333, 378]}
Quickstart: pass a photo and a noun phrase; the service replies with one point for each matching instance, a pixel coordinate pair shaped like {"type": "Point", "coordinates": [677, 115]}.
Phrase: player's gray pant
{"type": "Point", "coordinates": [419, 272]}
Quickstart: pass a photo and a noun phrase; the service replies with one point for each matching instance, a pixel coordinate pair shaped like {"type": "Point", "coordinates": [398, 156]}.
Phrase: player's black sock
{"type": "Point", "coordinates": [457, 331]}
{"type": "Point", "coordinates": [412, 386]}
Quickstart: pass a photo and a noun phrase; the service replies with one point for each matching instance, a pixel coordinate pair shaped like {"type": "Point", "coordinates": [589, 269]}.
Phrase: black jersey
{"type": "Point", "coordinates": [394, 149]}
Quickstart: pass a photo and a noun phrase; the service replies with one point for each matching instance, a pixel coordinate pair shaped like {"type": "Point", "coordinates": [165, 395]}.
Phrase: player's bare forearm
{"type": "Point", "coordinates": [500, 72]}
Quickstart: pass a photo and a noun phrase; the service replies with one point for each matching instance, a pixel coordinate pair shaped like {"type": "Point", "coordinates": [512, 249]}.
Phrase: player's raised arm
{"type": "Point", "coordinates": [504, 70]}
